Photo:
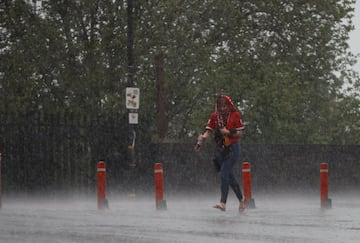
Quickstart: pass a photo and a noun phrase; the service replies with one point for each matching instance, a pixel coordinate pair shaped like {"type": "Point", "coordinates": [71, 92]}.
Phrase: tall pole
{"type": "Point", "coordinates": [130, 43]}
{"type": "Point", "coordinates": [130, 83]}
{"type": "Point", "coordinates": [0, 182]}
{"type": "Point", "coordinates": [162, 127]}
{"type": "Point", "coordinates": [130, 76]}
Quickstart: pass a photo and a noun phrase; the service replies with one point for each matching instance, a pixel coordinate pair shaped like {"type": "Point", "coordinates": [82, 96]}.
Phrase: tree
{"type": "Point", "coordinates": [282, 62]}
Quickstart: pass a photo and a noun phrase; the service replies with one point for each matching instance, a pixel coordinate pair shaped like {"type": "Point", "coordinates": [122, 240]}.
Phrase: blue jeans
{"type": "Point", "coordinates": [227, 176]}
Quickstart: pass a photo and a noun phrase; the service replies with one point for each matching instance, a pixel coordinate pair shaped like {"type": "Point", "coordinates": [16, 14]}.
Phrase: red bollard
{"type": "Point", "coordinates": [325, 202]}
{"type": "Point", "coordinates": [246, 175]}
{"type": "Point", "coordinates": [159, 186]}
{"type": "Point", "coordinates": [101, 184]}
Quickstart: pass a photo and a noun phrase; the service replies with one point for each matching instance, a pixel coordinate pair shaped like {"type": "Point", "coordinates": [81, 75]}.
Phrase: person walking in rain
{"type": "Point", "coordinates": [226, 125]}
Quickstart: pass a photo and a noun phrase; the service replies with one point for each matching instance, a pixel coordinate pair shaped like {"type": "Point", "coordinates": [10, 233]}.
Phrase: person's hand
{"type": "Point", "coordinates": [224, 131]}
{"type": "Point", "coordinates": [197, 147]}
{"type": "Point", "coordinates": [199, 143]}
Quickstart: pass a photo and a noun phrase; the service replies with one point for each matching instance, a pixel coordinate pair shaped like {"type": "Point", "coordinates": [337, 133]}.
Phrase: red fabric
{"type": "Point", "coordinates": [233, 119]}
{"type": "Point", "coordinates": [221, 117]}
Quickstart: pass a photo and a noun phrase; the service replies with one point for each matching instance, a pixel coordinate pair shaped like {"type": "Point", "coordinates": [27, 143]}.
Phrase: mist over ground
{"type": "Point", "coordinates": [278, 217]}
{"type": "Point", "coordinates": [285, 187]}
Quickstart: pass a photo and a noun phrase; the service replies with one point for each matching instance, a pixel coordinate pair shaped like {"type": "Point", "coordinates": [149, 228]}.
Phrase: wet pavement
{"type": "Point", "coordinates": [187, 219]}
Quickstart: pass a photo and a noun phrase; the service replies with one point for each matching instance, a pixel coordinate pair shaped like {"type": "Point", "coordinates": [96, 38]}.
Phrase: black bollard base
{"type": "Point", "coordinates": [250, 203]}
{"type": "Point", "coordinates": [104, 204]}
{"type": "Point", "coordinates": [327, 203]}
{"type": "Point", "coordinates": [162, 205]}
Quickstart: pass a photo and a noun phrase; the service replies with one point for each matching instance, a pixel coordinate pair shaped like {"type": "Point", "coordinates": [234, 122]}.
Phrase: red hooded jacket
{"type": "Point", "coordinates": [232, 121]}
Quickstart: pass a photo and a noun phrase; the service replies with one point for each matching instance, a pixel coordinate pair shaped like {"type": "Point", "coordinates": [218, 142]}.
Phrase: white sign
{"type": "Point", "coordinates": [132, 98]}
{"type": "Point", "coordinates": [133, 118]}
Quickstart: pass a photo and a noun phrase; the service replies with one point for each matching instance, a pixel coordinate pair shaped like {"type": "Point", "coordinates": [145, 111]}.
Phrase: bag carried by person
{"type": "Point", "coordinates": [220, 155]}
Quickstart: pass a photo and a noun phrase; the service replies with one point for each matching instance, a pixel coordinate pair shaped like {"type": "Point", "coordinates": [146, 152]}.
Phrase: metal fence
{"type": "Point", "coordinates": [43, 151]}
{"type": "Point", "coordinates": [58, 153]}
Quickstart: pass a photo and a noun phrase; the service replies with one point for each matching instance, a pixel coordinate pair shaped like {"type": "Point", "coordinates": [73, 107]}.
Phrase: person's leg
{"type": "Point", "coordinates": [224, 184]}
{"type": "Point", "coordinates": [226, 171]}
{"type": "Point", "coordinates": [235, 186]}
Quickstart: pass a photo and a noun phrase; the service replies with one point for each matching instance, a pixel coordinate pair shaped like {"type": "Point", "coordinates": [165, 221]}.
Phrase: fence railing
{"type": "Point", "coordinates": [55, 151]}
{"type": "Point", "coordinates": [59, 152]}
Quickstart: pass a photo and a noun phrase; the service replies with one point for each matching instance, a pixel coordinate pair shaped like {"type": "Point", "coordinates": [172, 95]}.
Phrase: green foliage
{"type": "Point", "coordinates": [283, 62]}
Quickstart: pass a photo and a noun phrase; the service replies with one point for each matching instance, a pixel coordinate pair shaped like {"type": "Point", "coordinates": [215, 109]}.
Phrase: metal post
{"type": "Point", "coordinates": [325, 201]}
{"type": "Point", "coordinates": [0, 181]}
{"type": "Point", "coordinates": [246, 175]}
{"type": "Point", "coordinates": [130, 82]}
{"type": "Point", "coordinates": [101, 185]}
{"type": "Point", "coordinates": [130, 43]}
{"type": "Point", "coordinates": [159, 186]}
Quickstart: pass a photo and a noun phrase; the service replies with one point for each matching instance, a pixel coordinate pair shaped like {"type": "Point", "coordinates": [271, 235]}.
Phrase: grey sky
{"type": "Point", "coordinates": [354, 40]}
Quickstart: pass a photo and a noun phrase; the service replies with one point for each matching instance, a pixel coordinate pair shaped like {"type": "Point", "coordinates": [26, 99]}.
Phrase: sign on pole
{"type": "Point", "coordinates": [132, 98]}
{"type": "Point", "coordinates": [133, 117]}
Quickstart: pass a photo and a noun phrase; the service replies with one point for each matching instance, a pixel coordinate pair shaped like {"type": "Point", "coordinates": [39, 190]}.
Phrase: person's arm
{"type": "Point", "coordinates": [201, 139]}
{"type": "Point", "coordinates": [231, 133]}
{"type": "Point", "coordinates": [236, 123]}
